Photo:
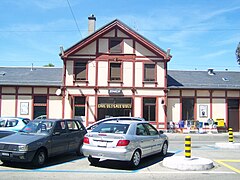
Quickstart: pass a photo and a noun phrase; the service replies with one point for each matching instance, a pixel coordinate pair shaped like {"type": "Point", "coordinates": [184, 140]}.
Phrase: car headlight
{"type": "Point", "coordinates": [22, 148]}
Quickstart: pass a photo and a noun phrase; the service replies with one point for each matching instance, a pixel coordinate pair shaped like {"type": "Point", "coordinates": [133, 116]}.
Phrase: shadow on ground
{"type": "Point", "coordinates": [121, 165]}
{"type": "Point", "coordinates": [50, 162]}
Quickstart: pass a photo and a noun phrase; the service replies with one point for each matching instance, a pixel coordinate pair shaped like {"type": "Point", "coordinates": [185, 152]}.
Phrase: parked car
{"type": "Point", "coordinates": [124, 141]}
{"type": "Point", "coordinates": [41, 139]}
{"type": "Point", "coordinates": [41, 117]}
{"type": "Point", "coordinates": [94, 125]}
{"type": "Point", "coordinates": [11, 125]}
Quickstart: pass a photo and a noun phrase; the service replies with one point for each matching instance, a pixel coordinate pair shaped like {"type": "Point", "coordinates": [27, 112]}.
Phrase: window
{"type": "Point", "coordinates": [72, 126]}
{"type": "Point", "coordinates": [115, 46]}
{"type": "Point", "coordinates": [80, 71]}
{"type": "Point", "coordinates": [79, 106]}
{"type": "Point", "coordinates": [149, 109]}
{"type": "Point", "coordinates": [141, 130]}
{"type": "Point", "coordinates": [152, 131]}
{"type": "Point", "coordinates": [40, 106]}
{"type": "Point", "coordinates": [149, 72]}
{"type": "Point", "coordinates": [115, 128]}
{"type": "Point", "coordinates": [115, 71]}
{"type": "Point", "coordinates": [60, 127]}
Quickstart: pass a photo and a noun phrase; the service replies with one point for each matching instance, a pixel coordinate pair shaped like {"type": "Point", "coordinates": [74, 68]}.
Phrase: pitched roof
{"type": "Point", "coordinates": [28, 76]}
{"type": "Point", "coordinates": [178, 79]}
{"type": "Point", "coordinates": [108, 27]}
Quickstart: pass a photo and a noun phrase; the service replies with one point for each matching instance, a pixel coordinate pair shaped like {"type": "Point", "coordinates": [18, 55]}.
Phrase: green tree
{"type": "Point", "coordinates": [49, 65]}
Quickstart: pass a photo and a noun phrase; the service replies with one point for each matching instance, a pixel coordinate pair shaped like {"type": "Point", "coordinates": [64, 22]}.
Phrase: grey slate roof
{"type": "Point", "coordinates": [28, 76]}
{"type": "Point", "coordinates": [178, 79]}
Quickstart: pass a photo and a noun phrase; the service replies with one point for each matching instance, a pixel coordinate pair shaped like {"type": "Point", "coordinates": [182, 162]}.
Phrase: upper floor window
{"type": "Point", "coordinates": [80, 71]}
{"type": "Point", "coordinates": [115, 71]}
{"type": "Point", "coordinates": [149, 72]}
{"type": "Point", "coordinates": [115, 45]}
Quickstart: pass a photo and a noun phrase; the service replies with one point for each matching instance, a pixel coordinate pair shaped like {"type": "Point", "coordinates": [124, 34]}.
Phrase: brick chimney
{"type": "Point", "coordinates": [91, 24]}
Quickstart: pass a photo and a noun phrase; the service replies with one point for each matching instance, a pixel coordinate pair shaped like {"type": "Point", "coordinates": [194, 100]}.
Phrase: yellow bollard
{"type": "Point", "coordinates": [230, 133]}
{"type": "Point", "coordinates": [188, 147]}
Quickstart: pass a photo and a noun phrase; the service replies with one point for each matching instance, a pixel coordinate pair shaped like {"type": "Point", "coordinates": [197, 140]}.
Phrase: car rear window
{"type": "Point", "coordinates": [113, 128]}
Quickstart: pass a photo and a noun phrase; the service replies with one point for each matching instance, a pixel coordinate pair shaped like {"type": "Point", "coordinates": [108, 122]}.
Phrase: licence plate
{"type": "Point", "coordinates": [5, 154]}
{"type": "Point", "coordinates": [102, 144]}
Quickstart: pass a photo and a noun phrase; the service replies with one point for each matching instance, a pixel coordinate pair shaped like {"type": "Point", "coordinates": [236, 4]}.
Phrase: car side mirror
{"type": "Point", "coordinates": [161, 132]}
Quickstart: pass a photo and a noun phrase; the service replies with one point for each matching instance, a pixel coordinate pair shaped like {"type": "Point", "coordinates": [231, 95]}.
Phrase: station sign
{"type": "Point", "coordinates": [115, 106]}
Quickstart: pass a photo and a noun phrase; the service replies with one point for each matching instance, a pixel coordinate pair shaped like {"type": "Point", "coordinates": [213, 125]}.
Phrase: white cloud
{"type": "Point", "coordinates": [214, 55]}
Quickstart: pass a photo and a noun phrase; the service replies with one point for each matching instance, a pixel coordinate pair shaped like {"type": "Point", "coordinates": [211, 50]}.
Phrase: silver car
{"type": "Point", "coordinates": [124, 141]}
{"type": "Point", "coordinates": [94, 125]}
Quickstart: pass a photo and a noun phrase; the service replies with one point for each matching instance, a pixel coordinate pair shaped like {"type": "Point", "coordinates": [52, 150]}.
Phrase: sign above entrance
{"type": "Point", "coordinates": [115, 91]}
{"type": "Point", "coordinates": [121, 106]}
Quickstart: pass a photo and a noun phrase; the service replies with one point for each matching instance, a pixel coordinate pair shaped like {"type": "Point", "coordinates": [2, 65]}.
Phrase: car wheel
{"type": "Point", "coordinates": [79, 150]}
{"type": "Point", "coordinates": [39, 158]}
{"type": "Point", "coordinates": [136, 158]}
{"type": "Point", "coordinates": [164, 149]}
{"type": "Point", "coordinates": [5, 162]}
{"type": "Point", "coordinates": [93, 161]}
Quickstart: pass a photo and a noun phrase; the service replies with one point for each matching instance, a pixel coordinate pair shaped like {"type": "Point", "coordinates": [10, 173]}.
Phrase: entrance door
{"type": "Point", "coordinates": [233, 114]}
{"type": "Point", "coordinates": [188, 108]}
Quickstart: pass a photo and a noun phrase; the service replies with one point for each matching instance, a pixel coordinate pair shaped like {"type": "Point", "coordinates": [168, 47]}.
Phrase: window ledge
{"type": "Point", "coordinates": [84, 81]}
{"type": "Point", "coordinates": [115, 81]}
{"type": "Point", "coordinates": [149, 82]}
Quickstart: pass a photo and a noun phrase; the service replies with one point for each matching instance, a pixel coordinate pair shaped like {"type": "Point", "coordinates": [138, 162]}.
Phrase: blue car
{"type": "Point", "coordinates": [11, 125]}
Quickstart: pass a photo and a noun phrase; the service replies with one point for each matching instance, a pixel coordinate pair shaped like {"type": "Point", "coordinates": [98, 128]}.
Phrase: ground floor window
{"type": "Point", "coordinates": [188, 108]}
{"type": "Point", "coordinates": [79, 107]}
{"type": "Point", "coordinates": [114, 106]}
{"type": "Point", "coordinates": [39, 106]}
{"type": "Point", "coordinates": [149, 109]}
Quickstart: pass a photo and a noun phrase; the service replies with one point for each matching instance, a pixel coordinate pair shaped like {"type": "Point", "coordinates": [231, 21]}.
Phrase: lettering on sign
{"type": "Point", "coordinates": [117, 106]}
{"type": "Point", "coordinates": [115, 91]}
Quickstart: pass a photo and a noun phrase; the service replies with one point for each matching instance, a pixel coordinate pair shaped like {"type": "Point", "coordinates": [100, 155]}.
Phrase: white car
{"type": "Point", "coordinates": [124, 141]}
{"type": "Point", "coordinates": [11, 125]}
{"type": "Point", "coordinates": [94, 125]}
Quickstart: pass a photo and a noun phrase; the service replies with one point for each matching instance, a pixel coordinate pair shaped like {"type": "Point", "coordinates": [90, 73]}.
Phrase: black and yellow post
{"type": "Point", "coordinates": [188, 147]}
{"type": "Point", "coordinates": [230, 133]}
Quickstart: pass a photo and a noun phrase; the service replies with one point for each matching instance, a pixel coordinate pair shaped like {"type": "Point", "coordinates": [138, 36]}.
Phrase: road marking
{"type": "Point", "coordinates": [119, 172]}
{"type": "Point", "coordinates": [222, 162]}
{"type": "Point", "coordinates": [187, 172]}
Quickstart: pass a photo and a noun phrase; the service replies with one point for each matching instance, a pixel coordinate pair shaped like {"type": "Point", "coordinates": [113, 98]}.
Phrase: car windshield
{"type": "Point", "coordinates": [39, 127]}
{"type": "Point", "coordinates": [114, 128]}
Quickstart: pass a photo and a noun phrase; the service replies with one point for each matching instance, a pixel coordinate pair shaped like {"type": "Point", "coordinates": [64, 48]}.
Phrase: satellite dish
{"type": "Point", "coordinates": [58, 92]}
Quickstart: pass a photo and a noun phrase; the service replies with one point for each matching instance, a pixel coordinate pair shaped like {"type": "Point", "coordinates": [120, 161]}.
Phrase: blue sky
{"type": "Point", "coordinates": [201, 33]}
